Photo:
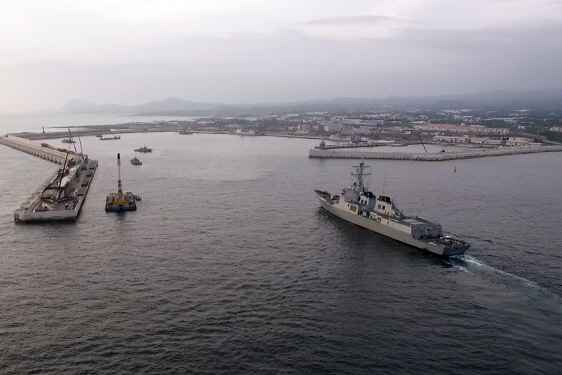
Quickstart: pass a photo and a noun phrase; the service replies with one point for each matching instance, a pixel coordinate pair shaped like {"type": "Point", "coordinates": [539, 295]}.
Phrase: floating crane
{"type": "Point", "coordinates": [120, 201]}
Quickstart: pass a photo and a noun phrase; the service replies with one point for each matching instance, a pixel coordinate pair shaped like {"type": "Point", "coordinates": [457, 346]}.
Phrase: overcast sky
{"type": "Point", "coordinates": [135, 51]}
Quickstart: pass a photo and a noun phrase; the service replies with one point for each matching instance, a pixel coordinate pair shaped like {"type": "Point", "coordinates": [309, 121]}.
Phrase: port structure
{"type": "Point", "coordinates": [120, 201]}
{"type": "Point", "coordinates": [43, 151]}
{"type": "Point", "coordinates": [61, 197]}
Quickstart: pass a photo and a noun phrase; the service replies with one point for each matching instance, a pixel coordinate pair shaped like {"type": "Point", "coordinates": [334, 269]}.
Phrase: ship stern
{"type": "Point", "coordinates": [455, 249]}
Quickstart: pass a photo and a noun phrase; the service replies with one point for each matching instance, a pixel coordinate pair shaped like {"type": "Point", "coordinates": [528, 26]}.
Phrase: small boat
{"type": "Point", "coordinates": [99, 135]}
{"type": "Point", "coordinates": [184, 131]}
{"type": "Point", "coordinates": [138, 198]}
{"type": "Point", "coordinates": [68, 140]}
{"type": "Point", "coordinates": [143, 149]}
{"type": "Point", "coordinates": [136, 161]}
{"type": "Point", "coordinates": [110, 138]}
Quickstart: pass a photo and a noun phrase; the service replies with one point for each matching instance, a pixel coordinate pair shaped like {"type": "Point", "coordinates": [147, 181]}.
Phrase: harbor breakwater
{"type": "Point", "coordinates": [44, 152]}
{"type": "Point", "coordinates": [316, 153]}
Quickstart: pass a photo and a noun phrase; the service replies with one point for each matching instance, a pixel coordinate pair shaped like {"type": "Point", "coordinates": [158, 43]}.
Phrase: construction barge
{"type": "Point", "coordinates": [120, 201]}
{"type": "Point", "coordinates": [62, 195]}
{"type": "Point", "coordinates": [60, 198]}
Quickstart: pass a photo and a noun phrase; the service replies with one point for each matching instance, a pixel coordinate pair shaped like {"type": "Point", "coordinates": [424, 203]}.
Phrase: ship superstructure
{"type": "Point", "coordinates": [359, 206]}
{"type": "Point", "coordinates": [136, 161]}
{"type": "Point", "coordinates": [120, 201]}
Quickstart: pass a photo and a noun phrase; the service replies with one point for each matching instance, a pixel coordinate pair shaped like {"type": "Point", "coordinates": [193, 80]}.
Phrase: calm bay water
{"type": "Point", "coordinates": [230, 266]}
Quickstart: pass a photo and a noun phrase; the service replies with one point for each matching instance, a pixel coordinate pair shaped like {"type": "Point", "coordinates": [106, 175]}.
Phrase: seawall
{"type": "Point", "coordinates": [34, 149]}
{"type": "Point", "coordinates": [316, 153]}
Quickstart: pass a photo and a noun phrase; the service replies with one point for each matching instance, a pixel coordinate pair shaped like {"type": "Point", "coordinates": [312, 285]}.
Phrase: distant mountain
{"type": "Point", "coordinates": [510, 97]}
{"type": "Point", "coordinates": [551, 98]}
{"type": "Point", "coordinates": [170, 104]}
{"type": "Point", "coordinates": [77, 105]}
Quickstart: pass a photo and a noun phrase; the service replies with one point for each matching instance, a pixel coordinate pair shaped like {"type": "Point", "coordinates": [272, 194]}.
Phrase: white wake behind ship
{"type": "Point", "coordinates": [380, 214]}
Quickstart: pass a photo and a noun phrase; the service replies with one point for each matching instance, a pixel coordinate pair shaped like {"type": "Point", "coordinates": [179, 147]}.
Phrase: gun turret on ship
{"type": "Point", "coordinates": [359, 206]}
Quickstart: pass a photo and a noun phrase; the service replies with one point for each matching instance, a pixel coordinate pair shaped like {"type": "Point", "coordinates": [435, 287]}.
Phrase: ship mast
{"type": "Point", "coordinates": [119, 186]}
{"type": "Point", "coordinates": [359, 173]}
{"type": "Point", "coordinates": [61, 176]}
{"type": "Point", "coordinates": [71, 143]}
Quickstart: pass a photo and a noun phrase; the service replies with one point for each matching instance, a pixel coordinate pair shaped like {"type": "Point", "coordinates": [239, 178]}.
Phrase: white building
{"type": "Point", "coordinates": [332, 127]}
{"type": "Point", "coordinates": [470, 129]}
{"type": "Point", "coordinates": [521, 141]}
{"type": "Point", "coordinates": [451, 139]}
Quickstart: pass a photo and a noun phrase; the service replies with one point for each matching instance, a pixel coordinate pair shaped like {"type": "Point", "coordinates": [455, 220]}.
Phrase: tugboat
{"type": "Point", "coordinates": [143, 149]}
{"type": "Point", "coordinates": [359, 206]}
{"type": "Point", "coordinates": [136, 161]}
{"type": "Point", "coordinates": [119, 201]}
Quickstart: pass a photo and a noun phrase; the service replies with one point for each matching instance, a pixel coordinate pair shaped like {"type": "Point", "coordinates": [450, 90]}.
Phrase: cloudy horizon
{"type": "Point", "coordinates": [132, 52]}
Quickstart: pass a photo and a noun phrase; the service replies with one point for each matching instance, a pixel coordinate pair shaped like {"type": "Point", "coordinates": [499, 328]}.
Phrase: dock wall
{"type": "Point", "coordinates": [33, 148]}
{"type": "Point", "coordinates": [376, 144]}
{"type": "Point", "coordinates": [315, 153]}
{"type": "Point", "coordinates": [60, 134]}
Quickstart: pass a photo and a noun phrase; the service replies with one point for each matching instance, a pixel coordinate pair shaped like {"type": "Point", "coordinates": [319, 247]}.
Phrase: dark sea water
{"type": "Point", "coordinates": [231, 266]}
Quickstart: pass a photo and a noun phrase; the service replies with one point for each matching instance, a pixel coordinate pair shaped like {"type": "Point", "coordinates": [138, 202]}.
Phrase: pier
{"type": "Point", "coordinates": [44, 152]}
{"type": "Point", "coordinates": [374, 144]}
{"type": "Point", "coordinates": [38, 208]}
{"type": "Point", "coordinates": [316, 153]}
{"type": "Point", "coordinates": [354, 145]}
{"type": "Point", "coordinates": [59, 134]}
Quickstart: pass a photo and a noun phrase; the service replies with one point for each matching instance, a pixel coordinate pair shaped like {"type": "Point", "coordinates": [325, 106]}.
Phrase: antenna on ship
{"type": "Point", "coordinates": [61, 176]}
{"type": "Point", "coordinates": [119, 186]}
{"type": "Point", "coordinates": [81, 149]}
{"type": "Point", "coordinates": [70, 139]}
{"type": "Point", "coordinates": [359, 173]}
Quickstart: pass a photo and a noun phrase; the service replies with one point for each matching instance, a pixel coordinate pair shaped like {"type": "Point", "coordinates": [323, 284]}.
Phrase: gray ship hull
{"type": "Point", "coordinates": [393, 233]}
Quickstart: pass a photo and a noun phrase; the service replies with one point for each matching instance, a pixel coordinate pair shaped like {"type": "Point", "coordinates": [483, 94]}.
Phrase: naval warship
{"type": "Point", "coordinates": [359, 206]}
